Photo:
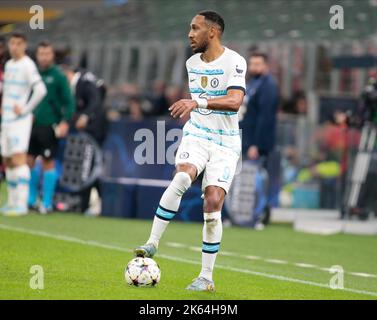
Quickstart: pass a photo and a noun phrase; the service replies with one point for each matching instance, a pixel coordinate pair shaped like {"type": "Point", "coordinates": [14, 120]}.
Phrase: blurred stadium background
{"type": "Point", "coordinates": [138, 47]}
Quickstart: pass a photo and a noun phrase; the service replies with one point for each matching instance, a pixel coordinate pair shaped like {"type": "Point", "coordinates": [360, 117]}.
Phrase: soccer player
{"type": "Point", "coordinates": [210, 142]}
{"type": "Point", "coordinates": [51, 118]}
{"type": "Point", "coordinates": [23, 90]}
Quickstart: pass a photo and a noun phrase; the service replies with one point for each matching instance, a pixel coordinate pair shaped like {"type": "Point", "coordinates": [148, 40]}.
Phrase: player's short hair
{"type": "Point", "coordinates": [19, 35]}
{"type": "Point", "coordinates": [215, 18]}
{"type": "Point", "coordinates": [45, 44]}
{"type": "Point", "coordinates": [259, 54]}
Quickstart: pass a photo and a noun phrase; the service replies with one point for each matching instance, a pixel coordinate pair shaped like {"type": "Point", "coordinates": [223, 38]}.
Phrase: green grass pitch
{"type": "Point", "coordinates": [84, 258]}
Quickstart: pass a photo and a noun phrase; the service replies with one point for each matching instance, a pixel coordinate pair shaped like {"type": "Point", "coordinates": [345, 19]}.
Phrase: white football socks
{"type": "Point", "coordinates": [212, 233]}
{"type": "Point", "coordinates": [11, 187]}
{"type": "Point", "coordinates": [169, 205]}
{"type": "Point", "coordinates": [22, 175]}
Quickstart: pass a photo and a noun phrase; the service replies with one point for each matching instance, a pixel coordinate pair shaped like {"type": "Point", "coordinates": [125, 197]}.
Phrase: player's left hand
{"type": "Point", "coordinates": [17, 110]}
{"type": "Point", "coordinates": [182, 107]}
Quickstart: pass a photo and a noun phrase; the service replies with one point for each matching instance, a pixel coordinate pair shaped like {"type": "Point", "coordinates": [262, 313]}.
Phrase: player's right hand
{"type": "Point", "coordinates": [182, 108]}
{"type": "Point", "coordinates": [17, 110]}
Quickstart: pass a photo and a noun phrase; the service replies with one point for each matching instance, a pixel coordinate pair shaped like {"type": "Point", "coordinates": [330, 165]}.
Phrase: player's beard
{"type": "Point", "coordinates": [202, 48]}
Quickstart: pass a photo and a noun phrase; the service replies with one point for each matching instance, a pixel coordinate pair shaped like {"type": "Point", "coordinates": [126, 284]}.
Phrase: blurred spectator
{"type": "Point", "coordinates": [290, 165]}
{"type": "Point", "coordinates": [116, 103]}
{"type": "Point", "coordinates": [158, 98]}
{"type": "Point", "coordinates": [135, 109]}
{"type": "Point", "coordinates": [335, 138]}
{"type": "Point", "coordinates": [297, 104]}
{"type": "Point", "coordinates": [301, 103]}
{"type": "Point", "coordinates": [328, 167]}
{"type": "Point", "coordinates": [173, 94]}
{"type": "Point", "coordinates": [130, 90]}
{"type": "Point", "coordinates": [322, 175]}
{"type": "Point", "coordinates": [127, 101]}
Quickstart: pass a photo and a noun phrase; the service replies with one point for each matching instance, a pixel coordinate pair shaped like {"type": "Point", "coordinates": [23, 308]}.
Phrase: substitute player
{"type": "Point", "coordinates": [23, 90]}
{"type": "Point", "coordinates": [51, 118]}
{"type": "Point", "coordinates": [211, 140]}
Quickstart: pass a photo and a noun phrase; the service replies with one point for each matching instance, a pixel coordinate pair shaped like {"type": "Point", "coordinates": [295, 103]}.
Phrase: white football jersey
{"type": "Point", "coordinates": [212, 80]}
{"type": "Point", "coordinates": [19, 78]}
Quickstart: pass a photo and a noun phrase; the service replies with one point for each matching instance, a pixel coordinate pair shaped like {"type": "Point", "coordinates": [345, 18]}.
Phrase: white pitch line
{"type": "Point", "coordinates": [253, 257]}
{"type": "Point", "coordinates": [227, 253]}
{"type": "Point", "coordinates": [275, 261]}
{"type": "Point", "coordinates": [117, 248]}
{"type": "Point", "coordinates": [362, 274]}
{"type": "Point", "coordinates": [175, 245]}
{"type": "Point", "coordinates": [305, 265]}
{"type": "Point", "coordinates": [197, 249]}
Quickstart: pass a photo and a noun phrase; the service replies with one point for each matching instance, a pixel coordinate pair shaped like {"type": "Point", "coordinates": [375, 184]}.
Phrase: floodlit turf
{"type": "Point", "coordinates": [84, 258]}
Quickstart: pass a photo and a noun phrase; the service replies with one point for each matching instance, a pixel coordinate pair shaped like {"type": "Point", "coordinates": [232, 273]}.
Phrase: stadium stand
{"type": "Point", "coordinates": [255, 20]}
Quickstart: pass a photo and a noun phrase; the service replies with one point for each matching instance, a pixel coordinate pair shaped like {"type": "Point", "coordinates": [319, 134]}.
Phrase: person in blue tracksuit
{"type": "Point", "coordinates": [259, 122]}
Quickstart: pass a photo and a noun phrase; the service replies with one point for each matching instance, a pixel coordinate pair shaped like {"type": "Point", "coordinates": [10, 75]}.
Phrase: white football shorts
{"type": "Point", "coordinates": [218, 162]}
{"type": "Point", "coordinates": [15, 137]}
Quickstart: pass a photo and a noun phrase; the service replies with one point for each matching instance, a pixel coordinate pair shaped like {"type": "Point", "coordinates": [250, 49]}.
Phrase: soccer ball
{"type": "Point", "coordinates": [142, 272]}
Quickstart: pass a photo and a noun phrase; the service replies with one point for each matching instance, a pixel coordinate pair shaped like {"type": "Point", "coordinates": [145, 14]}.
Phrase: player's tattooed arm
{"type": "Point", "coordinates": [231, 102]}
